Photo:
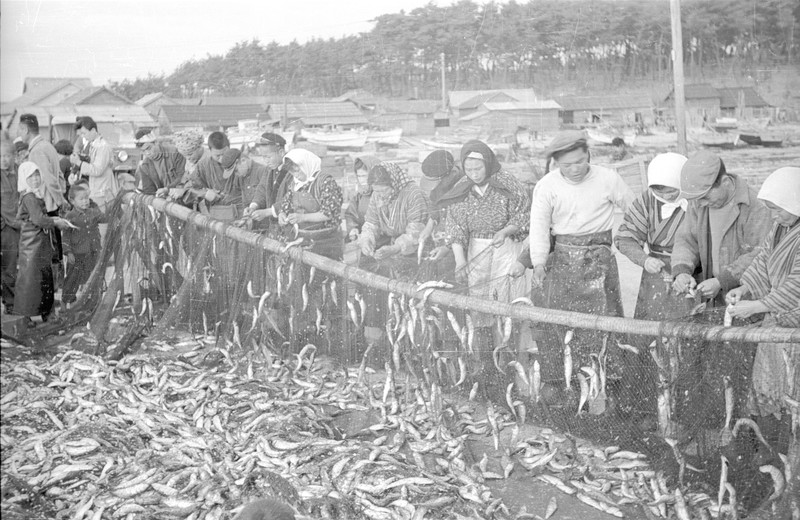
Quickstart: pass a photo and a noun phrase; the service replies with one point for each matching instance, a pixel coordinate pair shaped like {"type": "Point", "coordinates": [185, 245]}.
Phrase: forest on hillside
{"type": "Point", "coordinates": [534, 44]}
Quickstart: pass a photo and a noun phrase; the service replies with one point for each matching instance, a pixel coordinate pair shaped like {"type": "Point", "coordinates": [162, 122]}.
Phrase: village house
{"type": "Point", "coordinates": [173, 118]}
{"type": "Point", "coordinates": [622, 110]}
{"type": "Point", "coordinates": [506, 117]}
{"type": "Point", "coordinates": [155, 100]}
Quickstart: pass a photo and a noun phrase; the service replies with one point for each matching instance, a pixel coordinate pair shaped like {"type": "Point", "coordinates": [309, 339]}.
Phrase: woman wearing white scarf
{"type": "Point", "coordinates": [34, 286]}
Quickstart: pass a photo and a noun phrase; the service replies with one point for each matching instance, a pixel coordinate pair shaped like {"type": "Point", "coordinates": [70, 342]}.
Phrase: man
{"type": "Point", "coordinates": [103, 185]}
{"type": "Point", "coordinates": [619, 150]}
{"type": "Point", "coordinates": [45, 156]}
{"type": "Point", "coordinates": [248, 173]}
{"type": "Point", "coordinates": [269, 194]}
{"type": "Point", "coordinates": [718, 239]}
{"type": "Point", "coordinates": [163, 166]}
{"type": "Point", "coordinates": [9, 236]}
{"type": "Point", "coordinates": [574, 207]}
{"type": "Point", "coordinates": [221, 192]}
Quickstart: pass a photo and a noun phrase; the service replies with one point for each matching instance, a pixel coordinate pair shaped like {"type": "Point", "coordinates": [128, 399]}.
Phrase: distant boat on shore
{"type": "Point", "coordinates": [336, 139]}
{"type": "Point", "coordinates": [385, 137]}
{"type": "Point", "coordinates": [605, 135]}
{"type": "Point", "coordinates": [759, 138]}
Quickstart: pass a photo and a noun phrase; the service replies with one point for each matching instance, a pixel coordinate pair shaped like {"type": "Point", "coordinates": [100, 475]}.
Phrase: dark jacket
{"type": "Point", "coordinates": [85, 239]}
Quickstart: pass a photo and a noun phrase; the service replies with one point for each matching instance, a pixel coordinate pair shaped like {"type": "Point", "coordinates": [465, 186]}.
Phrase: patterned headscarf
{"type": "Point", "coordinates": [389, 173]}
{"type": "Point", "coordinates": [188, 142]}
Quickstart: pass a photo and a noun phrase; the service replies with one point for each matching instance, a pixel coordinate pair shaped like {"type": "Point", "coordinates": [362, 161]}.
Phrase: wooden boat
{"type": "Point", "coordinates": [385, 137]}
{"type": "Point", "coordinates": [602, 135]}
{"type": "Point", "coordinates": [757, 138]}
{"type": "Point", "coordinates": [723, 124]}
{"type": "Point", "coordinates": [336, 139]}
{"type": "Point", "coordinates": [716, 140]}
{"type": "Point", "coordinates": [442, 144]}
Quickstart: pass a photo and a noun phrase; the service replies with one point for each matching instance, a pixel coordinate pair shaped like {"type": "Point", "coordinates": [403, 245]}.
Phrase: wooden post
{"type": "Point", "coordinates": [444, 87]}
{"type": "Point", "coordinates": [677, 74]}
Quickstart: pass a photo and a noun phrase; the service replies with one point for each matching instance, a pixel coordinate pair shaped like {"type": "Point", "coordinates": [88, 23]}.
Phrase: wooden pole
{"type": "Point", "coordinates": [677, 74]}
{"type": "Point", "coordinates": [444, 87]}
{"type": "Point", "coordinates": [471, 303]}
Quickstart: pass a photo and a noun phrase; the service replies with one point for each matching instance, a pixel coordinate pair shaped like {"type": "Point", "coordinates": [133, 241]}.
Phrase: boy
{"type": "Point", "coordinates": [82, 243]}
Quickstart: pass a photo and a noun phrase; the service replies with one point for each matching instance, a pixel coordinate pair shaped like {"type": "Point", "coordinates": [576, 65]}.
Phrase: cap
{"type": "Point", "coordinates": [144, 135]}
{"type": "Point", "coordinates": [268, 138]}
{"type": "Point", "coordinates": [437, 164]}
{"type": "Point", "coordinates": [564, 141]}
{"type": "Point", "coordinates": [228, 161]}
{"type": "Point", "coordinates": [699, 174]}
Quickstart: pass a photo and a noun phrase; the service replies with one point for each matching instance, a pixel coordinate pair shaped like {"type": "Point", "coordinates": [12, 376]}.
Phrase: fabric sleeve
{"type": "Point", "coordinates": [785, 299]}
{"type": "Point", "coordinates": [35, 214]}
{"type": "Point", "coordinates": [685, 251]}
{"type": "Point", "coordinates": [454, 229]}
{"type": "Point", "coordinates": [286, 205]}
{"type": "Point", "coordinates": [416, 219]}
{"type": "Point", "coordinates": [622, 194]}
{"type": "Point", "coordinates": [752, 230]}
{"type": "Point", "coordinates": [352, 218]}
{"type": "Point", "coordinates": [541, 221]}
{"type": "Point", "coordinates": [632, 233]}
{"type": "Point", "coordinates": [331, 200]}
{"type": "Point", "coordinates": [148, 186]}
{"type": "Point", "coordinates": [178, 162]}
{"type": "Point", "coordinates": [101, 161]}
{"type": "Point", "coordinates": [519, 205]}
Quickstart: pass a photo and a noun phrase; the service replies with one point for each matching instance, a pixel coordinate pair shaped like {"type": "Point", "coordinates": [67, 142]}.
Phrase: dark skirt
{"type": "Point", "coordinates": [33, 292]}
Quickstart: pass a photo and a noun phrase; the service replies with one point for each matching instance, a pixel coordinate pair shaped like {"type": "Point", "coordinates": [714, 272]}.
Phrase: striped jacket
{"type": "Point", "coordinates": [774, 276]}
{"type": "Point", "coordinates": [643, 225]}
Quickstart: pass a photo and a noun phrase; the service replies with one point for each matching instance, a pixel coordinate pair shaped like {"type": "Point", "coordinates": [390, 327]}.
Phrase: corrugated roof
{"type": "Point", "coordinates": [100, 113]}
{"type": "Point", "coordinates": [410, 106]}
{"type": "Point", "coordinates": [36, 87]}
{"type": "Point", "coordinates": [599, 103]}
{"type": "Point", "coordinates": [330, 113]}
{"type": "Point", "coordinates": [729, 97]}
{"type": "Point", "coordinates": [87, 93]}
{"type": "Point", "coordinates": [697, 91]}
{"type": "Point", "coordinates": [207, 115]}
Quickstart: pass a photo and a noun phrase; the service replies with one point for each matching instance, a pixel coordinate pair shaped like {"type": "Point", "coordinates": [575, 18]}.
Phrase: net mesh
{"type": "Point", "coordinates": [645, 426]}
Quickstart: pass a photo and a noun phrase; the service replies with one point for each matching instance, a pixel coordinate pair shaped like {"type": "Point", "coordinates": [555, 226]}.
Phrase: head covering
{"type": "Point", "coordinates": [270, 139]}
{"type": "Point", "coordinates": [25, 170]}
{"type": "Point", "coordinates": [228, 161]}
{"type": "Point", "coordinates": [445, 185]}
{"type": "Point", "coordinates": [188, 142]}
{"type": "Point", "coordinates": [435, 167]}
{"type": "Point", "coordinates": [665, 170]}
{"type": "Point", "coordinates": [463, 184]}
{"type": "Point", "coordinates": [565, 141]}
{"type": "Point", "coordinates": [478, 149]}
{"type": "Point", "coordinates": [20, 146]}
{"type": "Point", "coordinates": [366, 161]}
{"type": "Point", "coordinates": [782, 188]}
{"type": "Point", "coordinates": [145, 135]}
{"type": "Point", "coordinates": [307, 161]}
{"type": "Point", "coordinates": [699, 173]}
{"type": "Point", "coordinates": [391, 172]}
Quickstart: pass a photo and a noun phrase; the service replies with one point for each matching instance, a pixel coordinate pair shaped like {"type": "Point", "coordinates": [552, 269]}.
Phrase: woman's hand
{"type": "Point", "coordinates": [296, 218]}
{"type": "Point", "coordinates": [500, 237]}
{"type": "Point", "coordinates": [734, 296]}
{"type": "Point", "coordinates": [352, 236]}
{"type": "Point", "coordinates": [653, 265]}
{"type": "Point", "coordinates": [517, 270]}
{"type": "Point", "coordinates": [746, 308]}
{"type": "Point", "coordinates": [211, 195]}
{"type": "Point", "coordinates": [709, 288]}
{"type": "Point", "coordinates": [438, 253]}
{"type": "Point", "coordinates": [161, 192]}
{"type": "Point", "coordinates": [367, 245]}
{"type": "Point", "coordinates": [683, 283]}
{"type": "Point", "coordinates": [386, 252]}
{"type": "Point", "coordinates": [282, 220]}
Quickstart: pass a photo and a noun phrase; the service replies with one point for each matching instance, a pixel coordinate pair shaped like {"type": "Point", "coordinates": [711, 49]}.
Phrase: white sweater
{"type": "Point", "coordinates": [567, 208]}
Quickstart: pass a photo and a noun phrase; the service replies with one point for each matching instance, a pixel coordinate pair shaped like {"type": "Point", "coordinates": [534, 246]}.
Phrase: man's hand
{"type": "Point", "coordinates": [538, 276]}
{"type": "Point", "coordinates": [517, 270]}
{"type": "Point", "coordinates": [746, 308]}
{"type": "Point", "coordinates": [709, 288]}
{"type": "Point", "coordinates": [734, 296]}
{"type": "Point", "coordinates": [386, 252]}
{"type": "Point", "coordinates": [176, 193]}
{"type": "Point", "coordinates": [211, 195]}
{"type": "Point", "coordinates": [653, 265]}
{"type": "Point", "coordinates": [75, 160]}
{"type": "Point", "coordinates": [367, 245]}
{"type": "Point", "coordinates": [438, 253]}
{"type": "Point", "coordinates": [248, 211]}
{"type": "Point", "coordinates": [282, 220]}
{"type": "Point", "coordinates": [161, 192]}
{"type": "Point", "coordinates": [260, 214]}
{"type": "Point", "coordinates": [683, 283]}
{"type": "Point", "coordinates": [296, 218]}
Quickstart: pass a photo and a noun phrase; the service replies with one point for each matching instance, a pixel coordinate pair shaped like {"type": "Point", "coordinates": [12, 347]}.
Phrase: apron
{"type": "Point", "coordinates": [582, 277]}
{"type": "Point", "coordinates": [770, 376]}
{"type": "Point", "coordinates": [225, 213]}
{"type": "Point", "coordinates": [33, 292]}
{"type": "Point", "coordinates": [318, 239]}
{"type": "Point", "coordinates": [488, 277]}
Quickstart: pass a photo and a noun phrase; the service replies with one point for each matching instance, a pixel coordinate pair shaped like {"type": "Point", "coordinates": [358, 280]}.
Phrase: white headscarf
{"type": "Point", "coordinates": [25, 170]}
{"type": "Point", "coordinates": [308, 162]}
{"type": "Point", "coordinates": [665, 170]}
{"type": "Point", "coordinates": [782, 188]}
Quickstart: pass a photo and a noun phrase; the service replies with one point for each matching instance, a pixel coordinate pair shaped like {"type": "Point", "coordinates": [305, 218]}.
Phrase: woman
{"type": "Point", "coordinates": [33, 292]}
{"type": "Point", "coordinates": [486, 223]}
{"type": "Point", "coordinates": [358, 203]}
{"type": "Point", "coordinates": [772, 284]}
{"type": "Point", "coordinates": [647, 233]}
{"type": "Point", "coordinates": [313, 203]}
{"type": "Point", "coordinates": [398, 211]}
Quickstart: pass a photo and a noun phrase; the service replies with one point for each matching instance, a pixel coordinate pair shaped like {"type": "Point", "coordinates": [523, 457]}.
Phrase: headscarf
{"type": "Point", "coordinates": [444, 186]}
{"type": "Point", "coordinates": [308, 162]}
{"type": "Point", "coordinates": [391, 174]}
{"type": "Point", "coordinates": [782, 188]}
{"type": "Point", "coordinates": [26, 169]}
{"type": "Point", "coordinates": [463, 185]}
{"type": "Point", "coordinates": [188, 142]}
{"type": "Point", "coordinates": [665, 170]}
{"type": "Point", "coordinates": [368, 162]}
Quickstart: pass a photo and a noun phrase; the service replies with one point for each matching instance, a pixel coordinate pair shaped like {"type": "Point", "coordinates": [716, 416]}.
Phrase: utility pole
{"type": "Point", "coordinates": [677, 74]}
{"type": "Point", "coordinates": [444, 87]}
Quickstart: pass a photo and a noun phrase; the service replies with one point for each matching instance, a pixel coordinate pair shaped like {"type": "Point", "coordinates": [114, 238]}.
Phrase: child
{"type": "Point", "coordinates": [81, 243]}
{"type": "Point", "coordinates": [127, 182]}
{"type": "Point", "coordinates": [33, 293]}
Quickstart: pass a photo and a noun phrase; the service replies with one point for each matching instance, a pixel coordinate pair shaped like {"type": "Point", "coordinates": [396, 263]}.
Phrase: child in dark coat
{"type": "Point", "coordinates": [82, 243]}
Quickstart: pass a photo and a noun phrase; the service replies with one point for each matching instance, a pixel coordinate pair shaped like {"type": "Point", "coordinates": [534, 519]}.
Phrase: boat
{"type": "Point", "coordinates": [442, 144]}
{"type": "Point", "coordinates": [715, 140]}
{"type": "Point", "coordinates": [605, 135]}
{"type": "Point", "coordinates": [336, 139]}
{"type": "Point", "coordinates": [758, 138]}
{"type": "Point", "coordinates": [723, 124]}
{"type": "Point", "coordinates": [385, 137]}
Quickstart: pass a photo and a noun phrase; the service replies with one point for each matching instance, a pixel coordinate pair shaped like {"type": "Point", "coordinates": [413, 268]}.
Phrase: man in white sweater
{"type": "Point", "coordinates": [574, 269]}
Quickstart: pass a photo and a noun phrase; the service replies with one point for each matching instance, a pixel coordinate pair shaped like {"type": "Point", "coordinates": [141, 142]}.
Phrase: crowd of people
{"type": "Point", "coordinates": [699, 232]}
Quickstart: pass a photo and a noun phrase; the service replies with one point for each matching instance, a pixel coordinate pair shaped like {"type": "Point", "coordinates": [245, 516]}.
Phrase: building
{"type": "Point", "coordinates": [43, 92]}
{"type": "Point", "coordinates": [342, 115]}
{"type": "Point", "coordinates": [621, 110]}
{"type": "Point", "coordinates": [743, 103]}
{"type": "Point", "coordinates": [172, 118]}
{"type": "Point", "coordinates": [507, 116]}
{"type": "Point", "coordinates": [465, 102]}
{"type": "Point", "coordinates": [415, 117]}
{"type": "Point", "coordinates": [701, 101]}
{"type": "Point", "coordinates": [154, 101]}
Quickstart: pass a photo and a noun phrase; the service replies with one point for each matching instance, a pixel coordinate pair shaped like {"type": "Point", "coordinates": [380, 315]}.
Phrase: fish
{"type": "Point", "coordinates": [353, 313]}
{"type": "Point", "coordinates": [470, 333]}
{"type": "Point", "coordinates": [778, 482]}
{"type": "Point", "coordinates": [536, 381]}
{"type": "Point", "coordinates": [304, 294]}
{"type": "Point", "coordinates": [629, 348]}
{"type": "Point", "coordinates": [568, 366]}
{"type": "Point", "coordinates": [723, 479]}
{"type": "Point", "coordinates": [474, 392]}
{"type": "Point", "coordinates": [725, 435]}
{"type": "Point", "coordinates": [584, 384]}
{"type": "Point", "coordinates": [744, 421]}
{"type": "Point", "coordinates": [552, 507]}
{"type": "Point", "coordinates": [363, 305]}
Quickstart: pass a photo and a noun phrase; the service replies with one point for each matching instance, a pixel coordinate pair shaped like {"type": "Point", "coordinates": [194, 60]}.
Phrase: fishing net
{"type": "Point", "coordinates": [249, 367]}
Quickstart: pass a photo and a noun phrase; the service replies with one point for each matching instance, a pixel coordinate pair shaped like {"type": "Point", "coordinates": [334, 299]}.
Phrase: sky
{"type": "Point", "coordinates": [117, 39]}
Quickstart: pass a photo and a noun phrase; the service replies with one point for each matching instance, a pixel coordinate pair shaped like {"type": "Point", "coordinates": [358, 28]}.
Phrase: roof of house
{"type": "Point", "coordinates": [234, 100]}
{"type": "Point", "coordinates": [410, 106]}
{"type": "Point", "coordinates": [729, 97]}
{"type": "Point", "coordinates": [604, 102]}
{"type": "Point", "coordinates": [41, 86]}
{"type": "Point", "coordinates": [86, 94]}
{"type": "Point", "coordinates": [317, 114]}
{"type": "Point", "coordinates": [100, 113]}
{"type": "Point", "coordinates": [697, 91]}
{"type": "Point", "coordinates": [510, 107]}
{"type": "Point", "coordinates": [360, 97]}
{"type": "Point", "coordinates": [207, 115]}
{"type": "Point", "coordinates": [458, 97]}
{"type": "Point", "coordinates": [149, 98]}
